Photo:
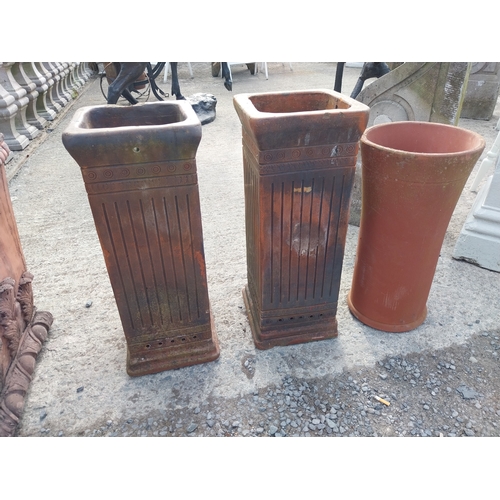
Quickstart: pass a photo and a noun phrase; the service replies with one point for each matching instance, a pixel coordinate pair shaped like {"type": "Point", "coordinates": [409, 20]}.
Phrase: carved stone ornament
{"type": "Point", "coordinates": [22, 329]}
{"type": "Point", "coordinates": [428, 92]}
{"type": "Point", "coordinates": [23, 338]}
{"type": "Point", "coordinates": [415, 91]}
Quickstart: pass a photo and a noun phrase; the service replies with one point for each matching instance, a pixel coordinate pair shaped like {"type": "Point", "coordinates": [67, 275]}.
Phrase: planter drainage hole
{"type": "Point", "coordinates": [299, 318]}
{"type": "Point", "coordinates": [160, 343]}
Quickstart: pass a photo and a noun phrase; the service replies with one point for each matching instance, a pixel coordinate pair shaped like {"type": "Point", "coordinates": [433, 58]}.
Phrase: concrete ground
{"type": "Point", "coordinates": [80, 385]}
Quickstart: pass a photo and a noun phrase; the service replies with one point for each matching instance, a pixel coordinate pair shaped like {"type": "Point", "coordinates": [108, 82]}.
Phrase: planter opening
{"type": "Point", "coordinates": [296, 102]}
{"type": "Point", "coordinates": [136, 116]}
{"type": "Point", "coordinates": [423, 138]}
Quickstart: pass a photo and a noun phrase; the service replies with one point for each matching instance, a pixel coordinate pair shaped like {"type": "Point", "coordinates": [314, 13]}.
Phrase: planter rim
{"type": "Point", "coordinates": [76, 125]}
{"type": "Point", "coordinates": [291, 119]}
{"type": "Point", "coordinates": [244, 101]}
{"type": "Point", "coordinates": [480, 142]}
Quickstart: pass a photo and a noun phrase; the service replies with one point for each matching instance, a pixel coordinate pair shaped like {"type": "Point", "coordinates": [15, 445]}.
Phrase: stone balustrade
{"type": "Point", "coordinates": [33, 93]}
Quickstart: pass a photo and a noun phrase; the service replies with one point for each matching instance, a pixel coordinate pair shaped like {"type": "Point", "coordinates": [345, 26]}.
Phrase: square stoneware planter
{"type": "Point", "coordinates": [299, 157]}
{"type": "Point", "coordinates": [139, 168]}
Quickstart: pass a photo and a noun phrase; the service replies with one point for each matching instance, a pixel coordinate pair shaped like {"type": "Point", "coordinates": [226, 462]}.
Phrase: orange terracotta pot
{"type": "Point", "coordinates": [412, 176]}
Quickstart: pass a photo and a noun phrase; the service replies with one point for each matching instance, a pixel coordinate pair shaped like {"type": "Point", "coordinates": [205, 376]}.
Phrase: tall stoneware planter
{"type": "Point", "coordinates": [139, 168]}
{"type": "Point", "coordinates": [413, 174]}
{"type": "Point", "coordinates": [23, 329]}
{"type": "Point", "coordinates": [299, 156]}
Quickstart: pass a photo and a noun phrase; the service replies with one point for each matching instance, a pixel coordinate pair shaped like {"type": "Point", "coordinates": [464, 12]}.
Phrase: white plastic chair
{"type": "Point", "coordinates": [229, 64]}
{"type": "Point", "coordinates": [167, 69]}
{"type": "Point", "coordinates": [263, 67]}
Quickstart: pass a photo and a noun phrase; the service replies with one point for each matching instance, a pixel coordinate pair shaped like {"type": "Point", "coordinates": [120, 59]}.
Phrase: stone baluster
{"type": "Point", "coordinates": [81, 72]}
{"type": "Point", "coordinates": [13, 102]}
{"type": "Point", "coordinates": [53, 105]}
{"type": "Point", "coordinates": [55, 89]}
{"type": "Point", "coordinates": [8, 111]}
{"type": "Point", "coordinates": [88, 70]}
{"type": "Point", "coordinates": [65, 82]}
{"type": "Point", "coordinates": [61, 68]}
{"type": "Point", "coordinates": [42, 86]}
{"type": "Point", "coordinates": [76, 83]}
{"type": "Point", "coordinates": [22, 78]}
{"type": "Point", "coordinates": [22, 100]}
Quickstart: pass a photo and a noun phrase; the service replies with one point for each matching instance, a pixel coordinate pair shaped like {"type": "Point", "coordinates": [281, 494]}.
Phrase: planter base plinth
{"type": "Point", "coordinates": [307, 326]}
{"type": "Point", "coordinates": [401, 328]}
{"type": "Point", "coordinates": [192, 348]}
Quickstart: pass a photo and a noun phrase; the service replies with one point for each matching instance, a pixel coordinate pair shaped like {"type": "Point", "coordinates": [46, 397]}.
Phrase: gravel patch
{"type": "Point", "coordinates": [438, 393]}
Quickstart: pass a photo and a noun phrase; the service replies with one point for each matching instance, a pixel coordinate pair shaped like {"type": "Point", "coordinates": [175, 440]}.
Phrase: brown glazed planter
{"type": "Point", "coordinates": [139, 168]}
{"type": "Point", "coordinates": [299, 156]}
{"type": "Point", "coordinates": [413, 174]}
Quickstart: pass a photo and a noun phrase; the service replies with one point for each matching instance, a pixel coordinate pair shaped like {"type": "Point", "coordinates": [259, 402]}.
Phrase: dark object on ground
{"type": "Point", "coordinates": [204, 106]}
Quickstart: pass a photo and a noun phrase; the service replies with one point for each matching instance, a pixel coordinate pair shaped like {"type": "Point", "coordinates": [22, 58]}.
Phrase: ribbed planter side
{"type": "Point", "coordinates": [139, 168]}
{"type": "Point", "coordinates": [413, 174]}
{"type": "Point", "coordinates": [299, 155]}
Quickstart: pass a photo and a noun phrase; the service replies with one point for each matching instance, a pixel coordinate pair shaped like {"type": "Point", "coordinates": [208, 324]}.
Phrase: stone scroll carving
{"type": "Point", "coordinates": [429, 92]}
{"type": "Point", "coordinates": [420, 91]}
{"type": "Point", "coordinates": [22, 333]}
{"type": "Point", "coordinates": [22, 329]}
